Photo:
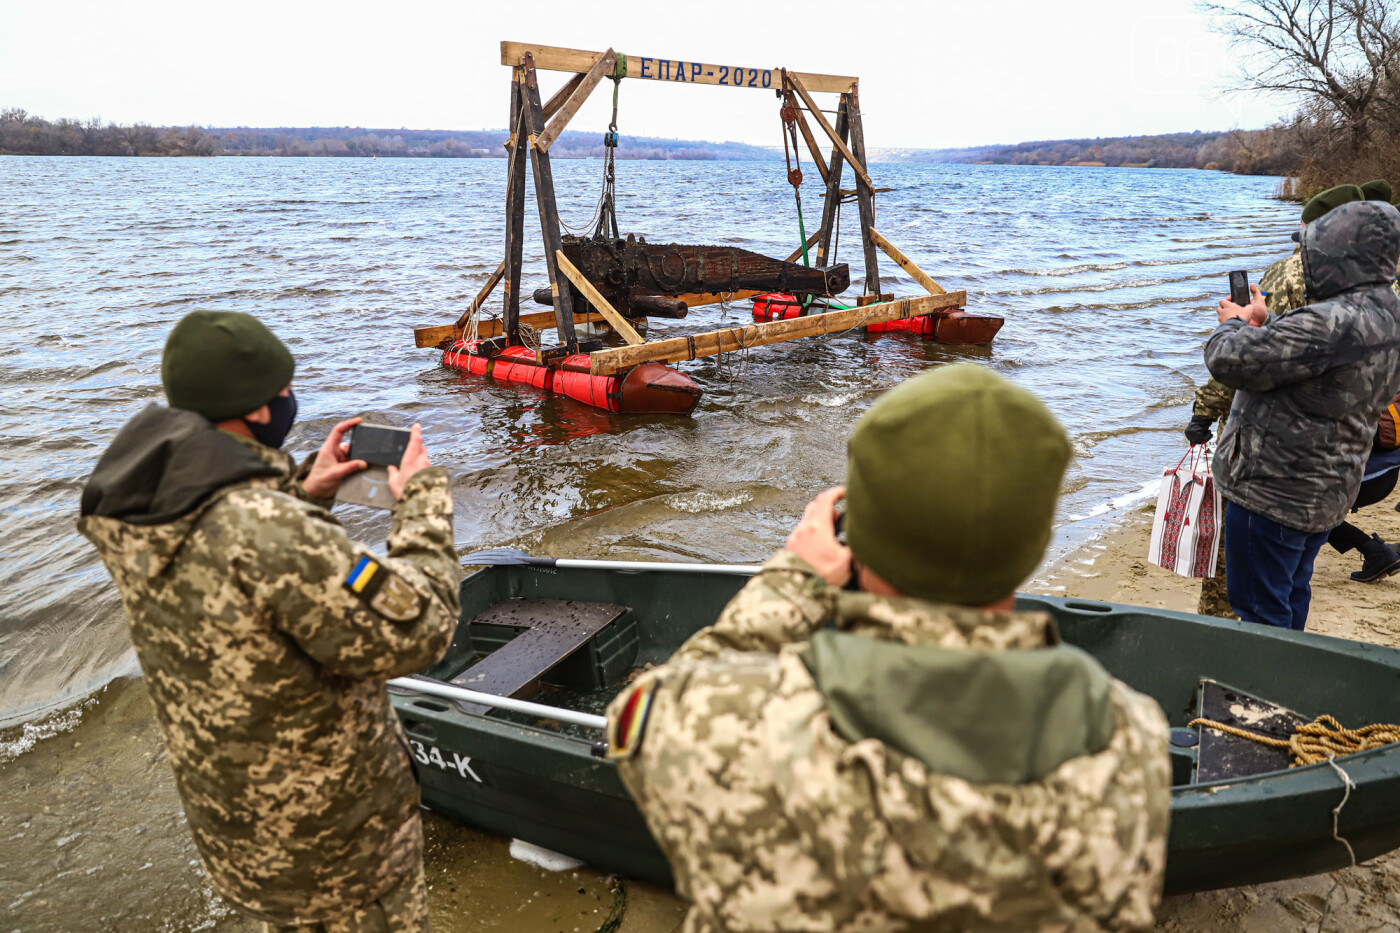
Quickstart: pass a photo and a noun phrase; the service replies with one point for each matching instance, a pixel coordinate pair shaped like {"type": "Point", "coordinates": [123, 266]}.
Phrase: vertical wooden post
{"type": "Point", "coordinates": [863, 193]}
{"type": "Point", "coordinates": [515, 210]}
{"type": "Point", "coordinates": [833, 188]}
{"type": "Point", "coordinates": [548, 209]}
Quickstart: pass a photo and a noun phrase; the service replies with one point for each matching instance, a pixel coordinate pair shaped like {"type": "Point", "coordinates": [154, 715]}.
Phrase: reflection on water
{"type": "Point", "coordinates": [1106, 278]}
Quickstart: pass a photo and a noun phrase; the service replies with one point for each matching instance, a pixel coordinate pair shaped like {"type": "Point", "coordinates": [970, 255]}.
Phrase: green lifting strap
{"type": "Point", "coordinates": [620, 66]}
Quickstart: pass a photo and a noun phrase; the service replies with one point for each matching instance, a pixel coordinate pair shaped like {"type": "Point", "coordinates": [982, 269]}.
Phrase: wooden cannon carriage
{"type": "Point", "coordinates": [608, 281]}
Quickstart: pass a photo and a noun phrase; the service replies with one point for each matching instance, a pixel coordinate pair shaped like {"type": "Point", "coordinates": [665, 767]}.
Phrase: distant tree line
{"type": "Point", "coordinates": [1340, 60]}
{"type": "Point", "coordinates": [1245, 152]}
{"type": "Point", "coordinates": [24, 134]}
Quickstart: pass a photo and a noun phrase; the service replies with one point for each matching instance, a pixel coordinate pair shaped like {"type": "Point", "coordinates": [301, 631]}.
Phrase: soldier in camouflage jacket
{"type": "Point", "coordinates": [906, 769]}
{"type": "Point", "coordinates": [266, 635]}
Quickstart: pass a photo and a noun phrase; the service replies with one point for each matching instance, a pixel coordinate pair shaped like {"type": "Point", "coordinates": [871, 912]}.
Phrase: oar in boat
{"type": "Point", "coordinates": [437, 688]}
{"type": "Point", "coordinates": [510, 557]}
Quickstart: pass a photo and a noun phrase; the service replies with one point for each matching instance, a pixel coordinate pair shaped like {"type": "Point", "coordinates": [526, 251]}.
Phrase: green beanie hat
{"type": "Point", "coordinates": [1333, 197]}
{"type": "Point", "coordinates": [951, 482]}
{"type": "Point", "coordinates": [223, 364]}
{"type": "Point", "coordinates": [1377, 190]}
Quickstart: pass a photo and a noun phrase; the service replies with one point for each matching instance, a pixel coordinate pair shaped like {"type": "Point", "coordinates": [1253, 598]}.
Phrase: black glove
{"type": "Point", "coordinates": [1198, 429]}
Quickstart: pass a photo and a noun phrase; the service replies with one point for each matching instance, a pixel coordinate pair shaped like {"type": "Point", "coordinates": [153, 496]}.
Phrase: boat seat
{"type": "Point", "coordinates": [541, 633]}
{"type": "Point", "coordinates": [1222, 756]}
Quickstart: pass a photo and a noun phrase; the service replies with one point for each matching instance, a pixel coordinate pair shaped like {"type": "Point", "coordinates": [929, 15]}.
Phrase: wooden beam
{"type": "Point", "coordinates": [599, 303]}
{"type": "Point", "coordinates": [807, 135]}
{"type": "Point", "coordinates": [602, 68]}
{"type": "Point", "coordinates": [864, 196]}
{"type": "Point", "coordinates": [906, 263]}
{"type": "Point", "coordinates": [710, 298]}
{"type": "Point", "coordinates": [561, 95]}
{"type": "Point", "coordinates": [554, 58]}
{"type": "Point", "coordinates": [792, 257]}
{"type": "Point", "coordinates": [713, 343]}
{"type": "Point", "coordinates": [515, 208]}
{"type": "Point", "coordinates": [833, 184]}
{"type": "Point", "coordinates": [857, 165]}
{"type": "Point", "coordinates": [434, 334]}
{"type": "Point", "coordinates": [548, 208]}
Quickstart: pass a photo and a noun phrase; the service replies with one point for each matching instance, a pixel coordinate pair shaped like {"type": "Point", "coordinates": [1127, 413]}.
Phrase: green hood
{"type": "Point", "coordinates": [988, 717]}
{"type": "Point", "coordinates": [164, 464]}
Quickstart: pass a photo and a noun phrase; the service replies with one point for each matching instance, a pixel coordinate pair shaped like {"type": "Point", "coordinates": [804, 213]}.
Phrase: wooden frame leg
{"type": "Point", "coordinates": [864, 196]}
{"type": "Point", "coordinates": [833, 188]}
{"type": "Point", "coordinates": [548, 208]}
{"type": "Point", "coordinates": [515, 211]}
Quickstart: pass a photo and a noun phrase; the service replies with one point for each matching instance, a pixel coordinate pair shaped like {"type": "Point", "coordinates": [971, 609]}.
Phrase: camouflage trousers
{"type": "Point", "coordinates": [1215, 601]}
{"type": "Point", "coordinates": [402, 909]}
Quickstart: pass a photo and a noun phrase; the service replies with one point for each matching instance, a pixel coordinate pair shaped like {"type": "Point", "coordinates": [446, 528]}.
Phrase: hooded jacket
{"type": "Point", "coordinates": [266, 636]}
{"type": "Point", "coordinates": [927, 767]}
{"type": "Point", "coordinates": [1312, 384]}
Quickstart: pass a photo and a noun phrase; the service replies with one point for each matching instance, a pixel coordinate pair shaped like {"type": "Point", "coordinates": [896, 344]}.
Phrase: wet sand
{"type": "Point", "coordinates": [1114, 568]}
{"type": "Point", "coordinates": [94, 837]}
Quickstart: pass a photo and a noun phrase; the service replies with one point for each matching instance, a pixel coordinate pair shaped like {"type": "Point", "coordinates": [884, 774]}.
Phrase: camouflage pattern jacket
{"type": "Point", "coordinates": [772, 822]}
{"type": "Point", "coordinates": [1285, 290]}
{"type": "Point", "coordinates": [266, 635]}
{"type": "Point", "coordinates": [1312, 384]}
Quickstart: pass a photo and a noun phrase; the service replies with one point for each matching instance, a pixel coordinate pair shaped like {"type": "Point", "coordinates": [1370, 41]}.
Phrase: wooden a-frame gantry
{"type": "Point", "coordinates": [536, 125]}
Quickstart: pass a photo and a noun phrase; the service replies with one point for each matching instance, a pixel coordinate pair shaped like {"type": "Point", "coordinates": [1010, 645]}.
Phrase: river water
{"type": "Point", "coordinates": [1106, 277]}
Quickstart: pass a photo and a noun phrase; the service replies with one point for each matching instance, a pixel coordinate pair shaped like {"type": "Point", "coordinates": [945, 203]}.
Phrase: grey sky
{"type": "Point", "coordinates": [932, 74]}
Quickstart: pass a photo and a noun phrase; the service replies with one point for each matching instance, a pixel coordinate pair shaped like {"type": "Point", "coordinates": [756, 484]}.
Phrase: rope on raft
{"type": "Point", "coordinates": [1320, 740]}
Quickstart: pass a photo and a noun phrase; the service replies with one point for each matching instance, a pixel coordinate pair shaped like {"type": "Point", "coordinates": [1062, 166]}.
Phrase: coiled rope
{"type": "Point", "coordinates": [1320, 740]}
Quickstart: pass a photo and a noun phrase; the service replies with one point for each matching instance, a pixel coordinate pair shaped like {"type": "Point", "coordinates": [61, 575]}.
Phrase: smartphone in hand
{"type": "Point", "coordinates": [379, 445]}
{"type": "Point", "coordinates": [1239, 290]}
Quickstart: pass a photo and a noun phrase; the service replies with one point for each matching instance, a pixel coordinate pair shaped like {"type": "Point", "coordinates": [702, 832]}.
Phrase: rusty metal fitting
{"type": "Point", "coordinates": [795, 177]}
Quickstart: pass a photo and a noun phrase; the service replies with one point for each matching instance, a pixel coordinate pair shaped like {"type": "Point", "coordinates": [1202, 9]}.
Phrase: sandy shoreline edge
{"type": "Point", "coordinates": [1111, 566]}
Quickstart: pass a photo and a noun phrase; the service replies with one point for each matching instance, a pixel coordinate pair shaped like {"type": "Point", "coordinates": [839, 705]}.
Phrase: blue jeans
{"type": "Point", "coordinates": [1268, 568]}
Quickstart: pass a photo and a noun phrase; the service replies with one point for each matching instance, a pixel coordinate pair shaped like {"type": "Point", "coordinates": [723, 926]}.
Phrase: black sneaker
{"type": "Point", "coordinates": [1381, 560]}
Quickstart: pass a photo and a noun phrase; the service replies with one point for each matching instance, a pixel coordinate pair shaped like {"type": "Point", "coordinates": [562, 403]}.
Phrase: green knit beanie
{"type": "Point", "coordinates": [951, 482]}
{"type": "Point", "coordinates": [1377, 190]}
{"type": "Point", "coordinates": [1324, 201]}
{"type": "Point", "coordinates": [223, 364]}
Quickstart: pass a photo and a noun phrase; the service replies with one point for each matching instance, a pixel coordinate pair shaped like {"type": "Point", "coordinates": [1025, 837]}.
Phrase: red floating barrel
{"type": "Point", "coordinates": [648, 388]}
{"type": "Point", "coordinates": [776, 306]}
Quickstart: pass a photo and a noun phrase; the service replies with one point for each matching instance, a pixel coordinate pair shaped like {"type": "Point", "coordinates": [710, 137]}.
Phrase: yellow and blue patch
{"type": "Point", "coordinates": [365, 578]}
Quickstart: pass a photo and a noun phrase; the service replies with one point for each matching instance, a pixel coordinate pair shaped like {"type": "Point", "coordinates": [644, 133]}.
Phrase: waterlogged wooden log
{"type": "Point", "coordinates": [857, 160]}
{"type": "Point", "coordinates": [906, 263]}
{"type": "Point", "coordinates": [602, 68]}
{"type": "Point", "coordinates": [555, 58]}
{"type": "Point", "coordinates": [713, 343]}
{"type": "Point", "coordinates": [599, 303]}
{"type": "Point", "coordinates": [623, 270]}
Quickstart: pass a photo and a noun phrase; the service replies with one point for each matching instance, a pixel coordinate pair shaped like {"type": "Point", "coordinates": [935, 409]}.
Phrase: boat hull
{"type": "Point", "coordinates": [549, 786]}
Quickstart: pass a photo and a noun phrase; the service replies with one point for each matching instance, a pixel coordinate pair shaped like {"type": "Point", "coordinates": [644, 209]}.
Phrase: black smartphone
{"type": "Point", "coordinates": [1239, 288]}
{"type": "Point", "coordinates": [379, 445]}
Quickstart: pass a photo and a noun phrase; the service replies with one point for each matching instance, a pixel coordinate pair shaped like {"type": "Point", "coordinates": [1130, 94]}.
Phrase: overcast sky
{"type": "Point", "coordinates": [933, 75]}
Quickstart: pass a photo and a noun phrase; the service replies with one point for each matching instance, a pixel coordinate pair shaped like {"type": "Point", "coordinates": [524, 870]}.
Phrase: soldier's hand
{"type": "Point", "coordinates": [1198, 429]}
{"type": "Point", "coordinates": [814, 538]}
{"type": "Point", "coordinates": [332, 463]}
{"type": "Point", "coordinates": [415, 459]}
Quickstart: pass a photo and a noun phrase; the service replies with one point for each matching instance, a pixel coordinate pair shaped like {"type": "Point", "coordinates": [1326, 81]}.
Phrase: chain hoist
{"type": "Point", "coordinates": [607, 215]}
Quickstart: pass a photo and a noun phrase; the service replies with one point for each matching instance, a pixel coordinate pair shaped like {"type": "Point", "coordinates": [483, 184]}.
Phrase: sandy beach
{"type": "Point", "coordinates": [1114, 568]}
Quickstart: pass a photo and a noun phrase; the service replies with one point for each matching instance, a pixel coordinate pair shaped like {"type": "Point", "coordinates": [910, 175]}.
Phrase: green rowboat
{"type": "Point", "coordinates": [567, 636]}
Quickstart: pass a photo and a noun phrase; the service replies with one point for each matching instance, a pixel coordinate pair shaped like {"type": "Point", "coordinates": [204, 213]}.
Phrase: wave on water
{"type": "Point", "coordinates": [22, 738]}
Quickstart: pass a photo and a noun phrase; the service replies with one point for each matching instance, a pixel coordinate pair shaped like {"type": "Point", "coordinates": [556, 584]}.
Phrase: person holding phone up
{"type": "Point", "coordinates": [266, 634]}
{"type": "Point", "coordinates": [1310, 386]}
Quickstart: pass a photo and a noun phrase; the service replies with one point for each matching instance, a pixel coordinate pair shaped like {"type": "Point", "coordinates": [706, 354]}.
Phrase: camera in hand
{"type": "Point", "coordinates": [381, 447]}
{"type": "Point", "coordinates": [1239, 288]}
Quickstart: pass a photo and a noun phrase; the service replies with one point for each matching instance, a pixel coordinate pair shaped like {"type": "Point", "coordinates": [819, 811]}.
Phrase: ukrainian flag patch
{"type": "Point", "coordinates": [365, 578]}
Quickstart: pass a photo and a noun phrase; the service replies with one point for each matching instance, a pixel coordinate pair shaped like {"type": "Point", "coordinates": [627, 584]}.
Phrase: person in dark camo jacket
{"type": "Point", "coordinates": [266, 634]}
{"type": "Point", "coordinates": [1310, 387]}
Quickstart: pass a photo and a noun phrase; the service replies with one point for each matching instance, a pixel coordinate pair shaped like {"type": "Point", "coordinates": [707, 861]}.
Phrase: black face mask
{"type": "Point", "coordinates": [283, 411]}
